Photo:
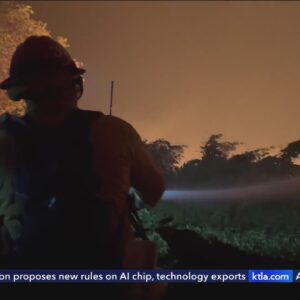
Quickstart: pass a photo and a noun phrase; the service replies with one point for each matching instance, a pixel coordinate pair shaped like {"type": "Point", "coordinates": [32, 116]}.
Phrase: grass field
{"type": "Point", "coordinates": [269, 227]}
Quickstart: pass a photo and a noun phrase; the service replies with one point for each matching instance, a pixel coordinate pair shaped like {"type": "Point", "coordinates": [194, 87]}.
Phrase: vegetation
{"type": "Point", "coordinates": [268, 226]}
{"type": "Point", "coordinates": [263, 228]}
{"type": "Point", "coordinates": [220, 166]}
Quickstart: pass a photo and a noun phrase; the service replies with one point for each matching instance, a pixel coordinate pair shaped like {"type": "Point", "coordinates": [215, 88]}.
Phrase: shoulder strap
{"type": "Point", "coordinates": [83, 119]}
{"type": "Point", "coordinates": [23, 134]}
{"type": "Point", "coordinates": [88, 115]}
{"type": "Point", "coordinates": [18, 126]}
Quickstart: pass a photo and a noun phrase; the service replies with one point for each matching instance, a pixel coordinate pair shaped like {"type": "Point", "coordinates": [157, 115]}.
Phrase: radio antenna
{"type": "Point", "coordinates": [111, 97]}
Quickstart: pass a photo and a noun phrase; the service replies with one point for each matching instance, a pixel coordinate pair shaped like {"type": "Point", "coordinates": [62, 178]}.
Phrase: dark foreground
{"type": "Point", "coordinates": [194, 252]}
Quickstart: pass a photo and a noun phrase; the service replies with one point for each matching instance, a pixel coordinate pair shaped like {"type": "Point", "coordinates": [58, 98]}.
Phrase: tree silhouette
{"type": "Point", "coordinates": [291, 151]}
{"type": "Point", "coordinates": [166, 155]}
{"type": "Point", "coordinates": [214, 149]}
{"type": "Point", "coordinates": [219, 167]}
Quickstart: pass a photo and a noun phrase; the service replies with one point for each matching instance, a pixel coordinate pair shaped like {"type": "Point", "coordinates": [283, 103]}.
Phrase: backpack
{"type": "Point", "coordinates": [53, 178]}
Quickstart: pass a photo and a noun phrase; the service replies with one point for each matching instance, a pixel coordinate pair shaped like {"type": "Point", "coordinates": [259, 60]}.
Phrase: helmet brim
{"type": "Point", "coordinates": [18, 89]}
{"type": "Point", "coordinates": [15, 81]}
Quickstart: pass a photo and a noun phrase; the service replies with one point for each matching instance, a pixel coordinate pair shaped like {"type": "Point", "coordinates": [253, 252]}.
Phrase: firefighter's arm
{"type": "Point", "coordinates": [145, 175]}
{"type": "Point", "coordinates": [121, 161]}
{"type": "Point", "coordinates": [111, 165]}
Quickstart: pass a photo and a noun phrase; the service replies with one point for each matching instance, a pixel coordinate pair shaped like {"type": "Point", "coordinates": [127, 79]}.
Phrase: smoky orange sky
{"type": "Point", "coordinates": [186, 70]}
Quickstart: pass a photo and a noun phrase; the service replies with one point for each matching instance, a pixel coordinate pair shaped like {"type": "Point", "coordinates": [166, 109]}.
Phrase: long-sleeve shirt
{"type": "Point", "coordinates": [121, 161]}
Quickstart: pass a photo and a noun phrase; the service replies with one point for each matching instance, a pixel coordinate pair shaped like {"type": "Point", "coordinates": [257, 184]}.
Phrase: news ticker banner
{"type": "Point", "coordinates": [149, 276]}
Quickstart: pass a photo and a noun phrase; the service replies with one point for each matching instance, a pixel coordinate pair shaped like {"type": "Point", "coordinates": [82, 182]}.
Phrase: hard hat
{"type": "Point", "coordinates": [38, 64]}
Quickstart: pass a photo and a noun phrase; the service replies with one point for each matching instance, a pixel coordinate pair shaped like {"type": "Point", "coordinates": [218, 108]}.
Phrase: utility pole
{"type": "Point", "coordinates": [111, 97]}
